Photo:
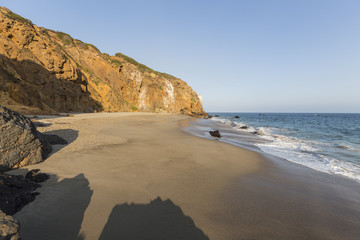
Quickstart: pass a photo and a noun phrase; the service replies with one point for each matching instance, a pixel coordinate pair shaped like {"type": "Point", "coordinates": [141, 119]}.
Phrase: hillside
{"type": "Point", "coordinates": [44, 71]}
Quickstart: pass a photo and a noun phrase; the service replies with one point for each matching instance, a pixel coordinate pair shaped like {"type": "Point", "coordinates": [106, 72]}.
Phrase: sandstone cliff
{"type": "Point", "coordinates": [44, 71]}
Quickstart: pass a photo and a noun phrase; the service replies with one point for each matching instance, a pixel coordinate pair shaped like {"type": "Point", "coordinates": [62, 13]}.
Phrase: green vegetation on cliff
{"type": "Point", "coordinates": [16, 17]}
{"type": "Point", "coordinates": [141, 67]}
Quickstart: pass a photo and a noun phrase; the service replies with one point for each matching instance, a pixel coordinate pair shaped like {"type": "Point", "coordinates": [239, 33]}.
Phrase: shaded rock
{"type": "Point", "coordinates": [16, 192]}
{"type": "Point", "coordinates": [236, 117]}
{"type": "Point", "coordinates": [9, 227]}
{"type": "Point", "coordinates": [216, 116]}
{"type": "Point", "coordinates": [55, 139]}
{"type": "Point", "coordinates": [41, 124]}
{"type": "Point", "coordinates": [244, 127]}
{"type": "Point", "coordinates": [258, 132]}
{"type": "Point", "coordinates": [20, 143]}
{"type": "Point", "coordinates": [215, 134]}
{"type": "Point", "coordinates": [36, 176]}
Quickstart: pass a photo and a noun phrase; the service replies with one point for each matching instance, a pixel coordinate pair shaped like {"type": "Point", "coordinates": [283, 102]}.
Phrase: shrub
{"type": "Point", "coordinates": [88, 44]}
{"type": "Point", "coordinates": [96, 81]}
{"type": "Point", "coordinates": [19, 18]}
{"type": "Point", "coordinates": [116, 62]}
{"type": "Point", "coordinates": [66, 38]}
{"type": "Point", "coordinates": [141, 67]}
{"type": "Point", "coordinates": [133, 108]}
{"type": "Point", "coordinates": [61, 35]}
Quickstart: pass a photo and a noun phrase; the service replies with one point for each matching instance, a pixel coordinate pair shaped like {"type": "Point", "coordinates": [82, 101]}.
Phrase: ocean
{"type": "Point", "coordinates": [326, 142]}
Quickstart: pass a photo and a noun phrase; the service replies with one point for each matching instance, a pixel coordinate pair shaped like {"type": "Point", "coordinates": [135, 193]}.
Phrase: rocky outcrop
{"type": "Point", "coordinates": [16, 192]}
{"type": "Point", "coordinates": [9, 227]}
{"type": "Point", "coordinates": [46, 72]}
{"type": "Point", "coordinates": [20, 143]}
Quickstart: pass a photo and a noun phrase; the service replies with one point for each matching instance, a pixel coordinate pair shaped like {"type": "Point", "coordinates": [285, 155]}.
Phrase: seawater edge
{"type": "Point", "coordinates": [247, 140]}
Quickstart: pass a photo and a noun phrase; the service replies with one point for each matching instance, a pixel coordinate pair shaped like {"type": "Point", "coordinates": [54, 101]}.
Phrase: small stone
{"type": "Point", "coordinates": [258, 132]}
{"type": "Point", "coordinates": [215, 133]}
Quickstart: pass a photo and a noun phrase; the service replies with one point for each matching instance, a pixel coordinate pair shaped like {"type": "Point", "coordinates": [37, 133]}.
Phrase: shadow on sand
{"type": "Point", "coordinates": [60, 138]}
{"type": "Point", "coordinates": [58, 211]}
{"type": "Point", "coordinates": [158, 220]}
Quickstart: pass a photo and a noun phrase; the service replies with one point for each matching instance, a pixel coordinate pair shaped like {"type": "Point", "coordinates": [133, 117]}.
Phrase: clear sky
{"type": "Point", "coordinates": [241, 56]}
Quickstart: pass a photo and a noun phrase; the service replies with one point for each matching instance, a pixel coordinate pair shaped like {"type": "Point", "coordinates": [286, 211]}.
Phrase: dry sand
{"type": "Point", "coordinates": [105, 181]}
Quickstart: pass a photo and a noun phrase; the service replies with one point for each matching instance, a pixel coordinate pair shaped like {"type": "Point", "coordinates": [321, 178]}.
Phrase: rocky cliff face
{"type": "Point", "coordinates": [44, 71]}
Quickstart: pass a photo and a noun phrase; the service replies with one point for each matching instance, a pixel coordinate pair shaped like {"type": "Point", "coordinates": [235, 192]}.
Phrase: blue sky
{"type": "Point", "coordinates": [241, 56]}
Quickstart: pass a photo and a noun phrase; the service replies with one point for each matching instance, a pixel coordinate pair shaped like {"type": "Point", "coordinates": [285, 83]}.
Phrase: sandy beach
{"type": "Point", "coordinates": [140, 176]}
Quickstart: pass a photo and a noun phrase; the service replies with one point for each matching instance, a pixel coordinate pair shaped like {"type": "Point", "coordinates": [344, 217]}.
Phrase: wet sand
{"type": "Point", "coordinates": [106, 182]}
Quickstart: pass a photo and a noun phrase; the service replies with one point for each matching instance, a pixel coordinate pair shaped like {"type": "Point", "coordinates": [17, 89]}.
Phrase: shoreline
{"type": "Point", "coordinates": [114, 160]}
{"type": "Point", "coordinates": [248, 140]}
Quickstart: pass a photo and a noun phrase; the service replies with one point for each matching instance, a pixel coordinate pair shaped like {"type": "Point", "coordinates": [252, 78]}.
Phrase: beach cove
{"type": "Point", "coordinates": [136, 175]}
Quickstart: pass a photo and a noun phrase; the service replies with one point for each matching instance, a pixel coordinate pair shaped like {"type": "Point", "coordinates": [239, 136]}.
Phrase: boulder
{"type": "Point", "coordinates": [215, 133]}
{"type": "Point", "coordinates": [16, 192]}
{"type": "Point", "coordinates": [20, 143]}
{"type": "Point", "coordinates": [236, 117]}
{"type": "Point", "coordinates": [244, 127]}
{"type": "Point", "coordinates": [9, 227]}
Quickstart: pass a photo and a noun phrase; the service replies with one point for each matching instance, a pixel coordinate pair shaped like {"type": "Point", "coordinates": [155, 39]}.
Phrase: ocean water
{"type": "Point", "coordinates": [325, 142]}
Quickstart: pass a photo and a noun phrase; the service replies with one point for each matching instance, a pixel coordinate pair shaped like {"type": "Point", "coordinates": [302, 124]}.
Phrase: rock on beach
{"type": "Point", "coordinates": [20, 143]}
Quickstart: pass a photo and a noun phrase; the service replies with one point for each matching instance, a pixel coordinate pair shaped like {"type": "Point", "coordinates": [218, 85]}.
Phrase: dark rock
{"type": "Point", "coordinates": [244, 127]}
{"type": "Point", "coordinates": [16, 192]}
{"type": "Point", "coordinates": [215, 133]}
{"type": "Point", "coordinates": [20, 143]}
{"type": "Point", "coordinates": [36, 176]}
{"type": "Point", "coordinates": [9, 227]}
{"type": "Point", "coordinates": [258, 132]}
{"type": "Point", "coordinates": [236, 117]}
{"type": "Point", "coordinates": [55, 139]}
{"type": "Point", "coordinates": [216, 116]}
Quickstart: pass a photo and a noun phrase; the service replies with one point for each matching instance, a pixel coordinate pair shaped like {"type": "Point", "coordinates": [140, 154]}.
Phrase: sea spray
{"type": "Point", "coordinates": [325, 142]}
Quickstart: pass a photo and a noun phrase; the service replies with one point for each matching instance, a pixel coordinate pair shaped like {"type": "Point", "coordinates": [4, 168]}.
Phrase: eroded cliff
{"type": "Point", "coordinates": [44, 71]}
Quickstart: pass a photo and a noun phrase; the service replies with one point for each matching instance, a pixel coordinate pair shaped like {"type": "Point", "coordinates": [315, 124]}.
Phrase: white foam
{"type": "Point", "coordinates": [298, 151]}
{"type": "Point", "coordinates": [304, 153]}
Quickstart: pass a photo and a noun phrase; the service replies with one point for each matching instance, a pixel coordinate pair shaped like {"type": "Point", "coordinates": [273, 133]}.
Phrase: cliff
{"type": "Point", "coordinates": [44, 71]}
